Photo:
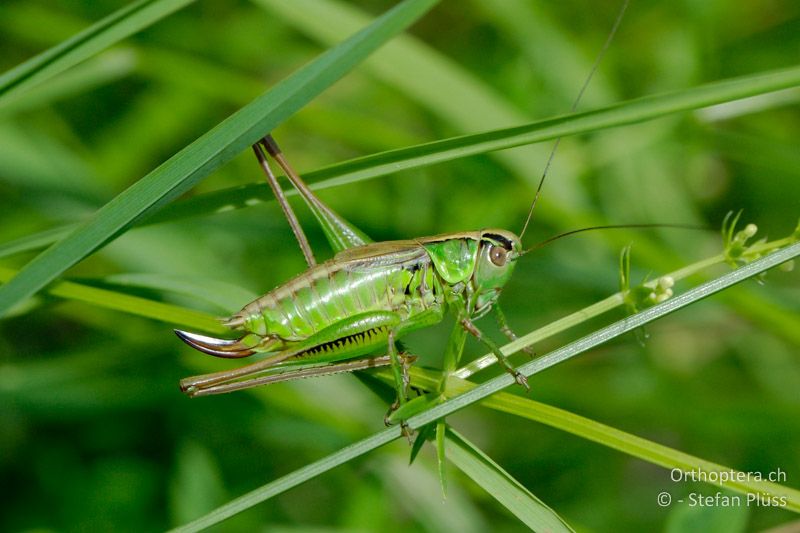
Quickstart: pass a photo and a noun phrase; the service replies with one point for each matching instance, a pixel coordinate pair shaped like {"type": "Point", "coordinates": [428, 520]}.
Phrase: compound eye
{"type": "Point", "coordinates": [498, 255]}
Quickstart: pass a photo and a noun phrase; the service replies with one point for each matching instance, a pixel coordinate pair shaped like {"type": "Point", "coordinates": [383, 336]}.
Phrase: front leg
{"type": "Point", "coordinates": [467, 324]}
{"type": "Point", "coordinates": [506, 330]}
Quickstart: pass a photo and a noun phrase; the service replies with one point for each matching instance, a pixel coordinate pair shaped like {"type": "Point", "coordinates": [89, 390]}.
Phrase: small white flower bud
{"type": "Point", "coordinates": [666, 282]}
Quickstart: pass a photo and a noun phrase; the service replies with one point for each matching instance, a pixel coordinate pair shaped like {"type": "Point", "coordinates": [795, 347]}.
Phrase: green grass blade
{"type": "Point", "coordinates": [102, 69]}
{"type": "Point", "coordinates": [628, 112]}
{"type": "Point", "coordinates": [226, 297]}
{"type": "Point", "coordinates": [213, 149]}
{"type": "Point", "coordinates": [285, 483]}
{"type": "Point", "coordinates": [613, 438]}
{"type": "Point", "coordinates": [747, 303]}
{"type": "Point", "coordinates": [636, 446]}
{"type": "Point", "coordinates": [501, 485]}
{"type": "Point", "coordinates": [492, 386]}
{"type": "Point", "coordinates": [115, 27]}
{"type": "Point", "coordinates": [35, 241]}
{"type": "Point", "coordinates": [408, 65]}
{"type": "Point", "coordinates": [616, 329]}
{"type": "Point", "coordinates": [133, 305]}
{"type": "Point", "coordinates": [420, 71]}
{"type": "Point", "coordinates": [384, 163]}
{"type": "Point", "coordinates": [441, 454]}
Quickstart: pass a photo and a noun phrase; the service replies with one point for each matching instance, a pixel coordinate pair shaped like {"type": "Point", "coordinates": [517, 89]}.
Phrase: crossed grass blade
{"type": "Point", "coordinates": [196, 161]}
{"type": "Point", "coordinates": [490, 387]}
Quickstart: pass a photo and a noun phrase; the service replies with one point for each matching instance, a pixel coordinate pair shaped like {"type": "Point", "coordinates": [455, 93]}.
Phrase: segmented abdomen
{"type": "Point", "coordinates": [331, 292]}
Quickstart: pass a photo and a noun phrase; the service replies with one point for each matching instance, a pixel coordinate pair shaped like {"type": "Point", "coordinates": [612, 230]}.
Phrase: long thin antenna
{"type": "Point", "coordinates": [594, 68]}
{"type": "Point", "coordinates": [614, 226]}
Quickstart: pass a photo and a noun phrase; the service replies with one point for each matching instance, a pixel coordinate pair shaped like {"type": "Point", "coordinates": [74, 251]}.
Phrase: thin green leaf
{"type": "Point", "coordinates": [94, 72]}
{"type": "Point", "coordinates": [785, 323]}
{"type": "Point", "coordinates": [407, 63]}
{"type": "Point", "coordinates": [533, 512]}
{"type": "Point", "coordinates": [384, 163]}
{"type": "Point", "coordinates": [133, 305]}
{"type": "Point", "coordinates": [441, 454]}
{"type": "Point", "coordinates": [112, 29]}
{"type": "Point", "coordinates": [423, 435]}
{"type": "Point", "coordinates": [490, 387]}
{"type": "Point", "coordinates": [35, 241]}
{"type": "Point", "coordinates": [637, 447]}
{"type": "Point", "coordinates": [226, 296]}
{"type": "Point", "coordinates": [196, 485]}
{"type": "Point", "coordinates": [608, 436]}
{"type": "Point", "coordinates": [213, 149]}
{"type": "Point", "coordinates": [613, 438]}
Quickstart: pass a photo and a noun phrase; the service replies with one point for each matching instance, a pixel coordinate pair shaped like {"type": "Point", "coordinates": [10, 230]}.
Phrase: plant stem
{"type": "Point", "coordinates": [603, 306]}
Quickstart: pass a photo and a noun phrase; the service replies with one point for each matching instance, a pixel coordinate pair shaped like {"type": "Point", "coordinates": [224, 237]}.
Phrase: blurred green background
{"type": "Point", "coordinates": [94, 434]}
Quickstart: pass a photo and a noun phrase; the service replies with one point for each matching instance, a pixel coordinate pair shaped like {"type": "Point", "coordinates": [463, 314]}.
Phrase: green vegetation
{"type": "Point", "coordinates": [126, 143]}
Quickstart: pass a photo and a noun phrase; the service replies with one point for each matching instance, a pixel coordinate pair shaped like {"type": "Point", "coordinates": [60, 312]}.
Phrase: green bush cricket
{"type": "Point", "coordinates": [367, 297]}
{"type": "Point", "coordinates": [363, 300]}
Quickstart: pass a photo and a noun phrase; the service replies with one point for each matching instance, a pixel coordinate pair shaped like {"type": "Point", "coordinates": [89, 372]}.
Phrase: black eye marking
{"type": "Point", "coordinates": [503, 241]}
